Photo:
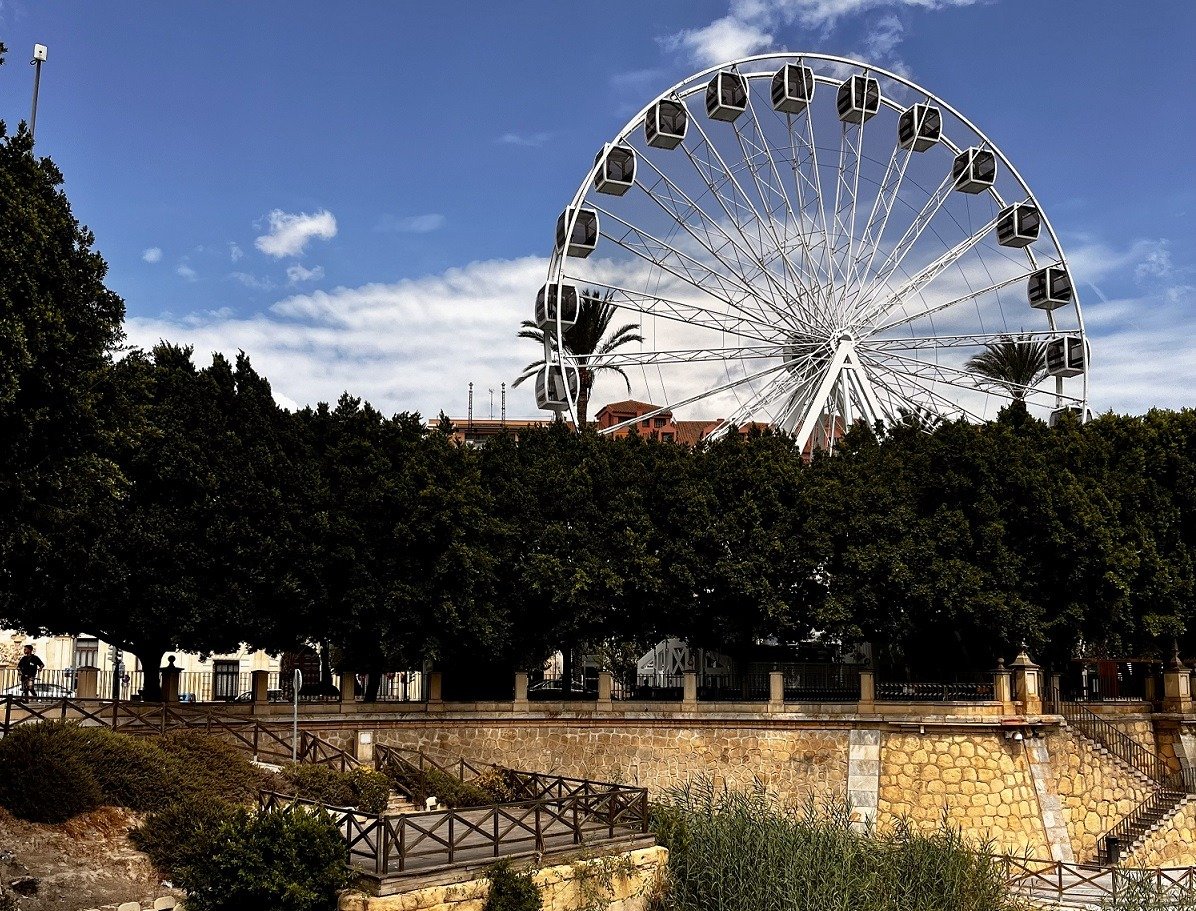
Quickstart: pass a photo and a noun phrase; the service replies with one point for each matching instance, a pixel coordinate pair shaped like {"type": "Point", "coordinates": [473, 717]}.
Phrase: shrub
{"type": "Point", "coordinates": [731, 849]}
{"type": "Point", "coordinates": [420, 784]}
{"type": "Point", "coordinates": [501, 784]}
{"type": "Point", "coordinates": [511, 890]}
{"type": "Point", "coordinates": [207, 764]}
{"type": "Point", "coordinates": [40, 780]}
{"type": "Point", "coordinates": [182, 834]}
{"type": "Point", "coordinates": [284, 861]}
{"type": "Point", "coordinates": [364, 789]}
{"type": "Point", "coordinates": [132, 772]}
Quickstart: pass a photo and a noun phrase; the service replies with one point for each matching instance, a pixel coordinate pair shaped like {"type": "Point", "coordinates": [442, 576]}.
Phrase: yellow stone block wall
{"type": "Point", "coordinates": [620, 882]}
{"type": "Point", "coordinates": [980, 781]}
{"type": "Point", "coordinates": [1095, 792]}
{"type": "Point", "coordinates": [795, 763]}
{"type": "Point", "coordinates": [1172, 845]}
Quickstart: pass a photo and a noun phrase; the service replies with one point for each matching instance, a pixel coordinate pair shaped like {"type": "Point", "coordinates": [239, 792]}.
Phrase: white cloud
{"type": "Point", "coordinates": [412, 224]}
{"type": "Point", "coordinates": [532, 140]}
{"type": "Point", "coordinates": [290, 233]}
{"type": "Point", "coordinates": [186, 272]}
{"type": "Point", "coordinates": [297, 273]}
{"type": "Point", "coordinates": [152, 254]}
{"type": "Point", "coordinates": [410, 345]}
{"type": "Point", "coordinates": [753, 26]}
{"type": "Point", "coordinates": [234, 251]}
{"type": "Point", "coordinates": [252, 281]}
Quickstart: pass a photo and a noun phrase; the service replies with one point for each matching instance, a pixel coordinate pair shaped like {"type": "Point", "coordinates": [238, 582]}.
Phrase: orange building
{"type": "Point", "coordinates": [659, 426]}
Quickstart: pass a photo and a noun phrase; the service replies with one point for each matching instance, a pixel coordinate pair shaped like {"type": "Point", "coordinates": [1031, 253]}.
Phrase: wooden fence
{"type": "Point", "coordinates": [1081, 883]}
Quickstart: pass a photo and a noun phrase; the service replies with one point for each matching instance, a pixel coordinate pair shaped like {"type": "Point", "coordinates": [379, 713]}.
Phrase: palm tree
{"type": "Point", "coordinates": [1016, 362]}
{"type": "Point", "coordinates": [583, 340]}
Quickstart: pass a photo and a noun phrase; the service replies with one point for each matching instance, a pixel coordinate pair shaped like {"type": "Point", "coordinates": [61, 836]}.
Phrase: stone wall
{"type": "Point", "coordinates": [1096, 791]}
{"type": "Point", "coordinates": [618, 882]}
{"type": "Point", "coordinates": [795, 762]}
{"type": "Point", "coordinates": [978, 781]}
{"type": "Point", "coordinates": [1173, 844]}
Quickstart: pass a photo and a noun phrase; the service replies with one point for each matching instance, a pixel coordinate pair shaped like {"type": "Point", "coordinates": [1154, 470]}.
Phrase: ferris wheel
{"type": "Point", "coordinates": [807, 241]}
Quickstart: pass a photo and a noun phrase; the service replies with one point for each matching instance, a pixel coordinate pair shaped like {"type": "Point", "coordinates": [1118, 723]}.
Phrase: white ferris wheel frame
{"type": "Point", "coordinates": [847, 374]}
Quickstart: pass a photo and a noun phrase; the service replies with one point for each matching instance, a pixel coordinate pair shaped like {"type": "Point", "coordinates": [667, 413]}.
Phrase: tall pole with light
{"type": "Point", "coordinates": [39, 57]}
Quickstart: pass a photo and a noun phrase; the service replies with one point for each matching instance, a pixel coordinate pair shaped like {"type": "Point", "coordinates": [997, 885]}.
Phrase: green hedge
{"type": "Point", "coordinates": [283, 861]}
{"type": "Point", "coordinates": [182, 834]}
{"type": "Point", "coordinates": [53, 771]}
{"type": "Point", "coordinates": [420, 784]}
{"type": "Point", "coordinates": [363, 789]}
{"type": "Point", "coordinates": [511, 890]}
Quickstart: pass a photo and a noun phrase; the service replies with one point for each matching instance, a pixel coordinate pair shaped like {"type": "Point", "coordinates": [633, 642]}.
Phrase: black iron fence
{"type": "Point", "coordinates": [949, 691]}
{"type": "Point", "coordinates": [650, 688]}
{"type": "Point", "coordinates": [812, 682]}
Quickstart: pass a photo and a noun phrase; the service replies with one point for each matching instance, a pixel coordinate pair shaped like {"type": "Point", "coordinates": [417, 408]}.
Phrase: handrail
{"type": "Point", "coordinates": [1061, 879]}
{"type": "Point", "coordinates": [1120, 744]}
{"type": "Point", "coordinates": [1161, 802]}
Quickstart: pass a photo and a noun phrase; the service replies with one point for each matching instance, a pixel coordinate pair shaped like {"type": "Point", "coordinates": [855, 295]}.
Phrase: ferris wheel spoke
{"type": "Point", "coordinates": [940, 406]}
{"type": "Point", "coordinates": [971, 295]}
{"type": "Point", "coordinates": [753, 214]}
{"type": "Point", "coordinates": [723, 387]}
{"type": "Point", "coordinates": [688, 313]}
{"type": "Point", "coordinates": [681, 214]}
{"type": "Point", "coordinates": [661, 253]}
{"type": "Point", "coordinates": [922, 279]}
{"type": "Point", "coordinates": [681, 356]}
{"type": "Point", "coordinates": [774, 389]}
{"type": "Point", "coordinates": [807, 153]}
{"type": "Point", "coordinates": [907, 242]}
{"type": "Point", "coordinates": [966, 379]}
{"type": "Point", "coordinates": [976, 340]}
{"type": "Point", "coordinates": [849, 268]}
{"type": "Point", "coordinates": [882, 207]}
{"type": "Point", "coordinates": [771, 189]}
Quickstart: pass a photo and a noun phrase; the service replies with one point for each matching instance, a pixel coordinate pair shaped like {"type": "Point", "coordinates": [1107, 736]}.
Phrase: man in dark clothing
{"type": "Point", "coordinates": [28, 667]}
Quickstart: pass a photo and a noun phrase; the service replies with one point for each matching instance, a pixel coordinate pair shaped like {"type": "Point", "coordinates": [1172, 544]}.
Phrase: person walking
{"type": "Point", "coordinates": [28, 668]}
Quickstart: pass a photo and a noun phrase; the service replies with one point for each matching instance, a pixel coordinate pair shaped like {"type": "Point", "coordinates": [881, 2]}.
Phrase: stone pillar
{"type": "Point", "coordinates": [170, 681]}
{"type": "Point", "coordinates": [434, 687]}
{"type": "Point", "coordinates": [87, 682]}
{"type": "Point", "coordinates": [1151, 688]}
{"type": "Point", "coordinates": [365, 748]}
{"type": "Point", "coordinates": [1003, 686]}
{"type": "Point", "coordinates": [1177, 687]}
{"type": "Point", "coordinates": [1027, 678]}
{"type": "Point", "coordinates": [606, 682]}
{"type": "Point", "coordinates": [347, 684]}
{"type": "Point", "coordinates": [521, 690]}
{"type": "Point", "coordinates": [776, 689]}
{"type": "Point", "coordinates": [260, 687]}
{"type": "Point", "coordinates": [867, 691]}
{"type": "Point", "coordinates": [690, 691]}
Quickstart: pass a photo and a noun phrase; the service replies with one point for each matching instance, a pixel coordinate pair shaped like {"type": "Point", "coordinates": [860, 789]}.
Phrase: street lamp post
{"type": "Point", "coordinates": [39, 57]}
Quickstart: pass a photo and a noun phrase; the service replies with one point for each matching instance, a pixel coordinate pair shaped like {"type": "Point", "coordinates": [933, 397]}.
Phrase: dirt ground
{"type": "Point", "coordinates": [87, 862]}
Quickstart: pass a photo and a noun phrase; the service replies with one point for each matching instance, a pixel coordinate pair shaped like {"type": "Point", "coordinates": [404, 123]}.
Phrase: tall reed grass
{"type": "Point", "coordinates": [746, 851]}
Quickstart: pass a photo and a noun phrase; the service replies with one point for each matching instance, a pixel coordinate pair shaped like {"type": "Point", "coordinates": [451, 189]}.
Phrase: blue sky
{"type": "Point", "coordinates": [362, 195]}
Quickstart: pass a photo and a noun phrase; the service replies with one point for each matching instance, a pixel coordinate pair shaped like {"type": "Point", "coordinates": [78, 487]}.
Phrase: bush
{"type": "Point", "coordinates": [40, 780]}
{"type": "Point", "coordinates": [503, 785]}
{"type": "Point", "coordinates": [745, 850]}
{"type": "Point", "coordinates": [364, 789]}
{"type": "Point", "coordinates": [208, 765]}
{"type": "Point", "coordinates": [132, 772]}
{"type": "Point", "coordinates": [284, 861]}
{"type": "Point", "coordinates": [183, 834]}
{"type": "Point", "coordinates": [420, 784]}
{"type": "Point", "coordinates": [511, 890]}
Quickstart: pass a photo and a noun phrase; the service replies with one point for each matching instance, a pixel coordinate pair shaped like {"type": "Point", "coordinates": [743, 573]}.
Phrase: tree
{"type": "Point", "coordinates": [1016, 363]}
{"type": "Point", "coordinates": [200, 547]}
{"type": "Point", "coordinates": [584, 340]}
{"type": "Point", "coordinates": [59, 325]}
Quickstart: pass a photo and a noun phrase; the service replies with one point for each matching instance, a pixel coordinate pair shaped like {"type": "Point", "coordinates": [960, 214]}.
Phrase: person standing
{"type": "Point", "coordinates": [28, 668]}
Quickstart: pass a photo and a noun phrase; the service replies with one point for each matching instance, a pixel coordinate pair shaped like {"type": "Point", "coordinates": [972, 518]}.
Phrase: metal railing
{"type": "Point", "coordinates": [956, 691]}
{"type": "Point", "coordinates": [1125, 835]}
{"type": "Point", "coordinates": [48, 684]}
{"type": "Point", "coordinates": [650, 688]}
{"type": "Point", "coordinates": [821, 682]}
{"type": "Point", "coordinates": [1119, 743]}
{"type": "Point", "coordinates": [733, 688]}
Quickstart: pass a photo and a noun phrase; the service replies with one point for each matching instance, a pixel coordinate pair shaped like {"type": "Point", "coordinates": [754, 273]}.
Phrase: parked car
{"type": "Point", "coordinates": [40, 691]}
{"type": "Point", "coordinates": [271, 696]}
{"type": "Point", "coordinates": [552, 689]}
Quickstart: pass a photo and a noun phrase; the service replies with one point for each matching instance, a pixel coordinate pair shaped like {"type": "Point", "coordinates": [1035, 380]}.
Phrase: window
{"type": "Point", "coordinates": [87, 652]}
{"type": "Point", "coordinates": [659, 422]}
{"type": "Point", "coordinates": [645, 422]}
{"type": "Point", "coordinates": [225, 676]}
{"type": "Point", "coordinates": [667, 436]}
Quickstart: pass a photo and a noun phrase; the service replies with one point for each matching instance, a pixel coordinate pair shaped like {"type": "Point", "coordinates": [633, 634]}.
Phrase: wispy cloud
{"type": "Point", "coordinates": [412, 224]}
{"type": "Point", "coordinates": [290, 233]}
{"type": "Point", "coordinates": [753, 26]}
{"type": "Point", "coordinates": [152, 254]}
{"type": "Point", "coordinates": [186, 272]}
{"type": "Point", "coordinates": [252, 281]}
{"type": "Point", "coordinates": [296, 273]}
{"type": "Point", "coordinates": [532, 140]}
{"type": "Point", "coordinates": [234, 251]}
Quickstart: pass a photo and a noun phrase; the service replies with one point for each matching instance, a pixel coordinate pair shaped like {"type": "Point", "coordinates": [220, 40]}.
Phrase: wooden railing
{"type": "Point", "coordinates": [266, 743]}
{"type": "Point", "coordinates": [1056, 881]}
